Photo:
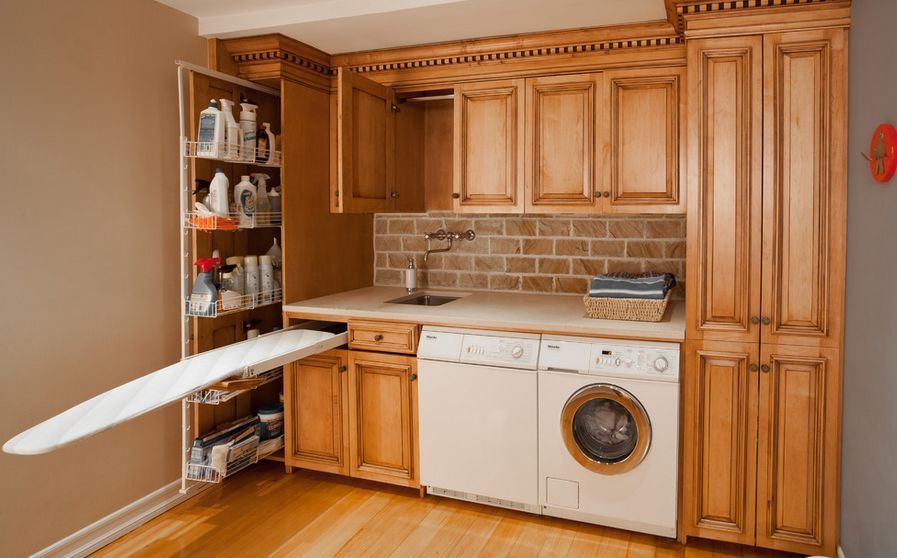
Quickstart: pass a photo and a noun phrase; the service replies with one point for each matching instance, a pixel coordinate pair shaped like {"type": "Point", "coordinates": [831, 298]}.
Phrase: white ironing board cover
{"type": "Point", "coordinates": [170, 384]}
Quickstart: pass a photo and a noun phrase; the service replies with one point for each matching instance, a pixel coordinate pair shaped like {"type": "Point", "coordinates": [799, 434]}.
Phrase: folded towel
{"type": "Point", "coordinates": [647, 285]}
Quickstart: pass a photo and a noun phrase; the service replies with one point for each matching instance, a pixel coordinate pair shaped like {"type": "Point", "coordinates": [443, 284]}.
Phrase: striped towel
{"type": "Point", "coordinates": [648, 285]}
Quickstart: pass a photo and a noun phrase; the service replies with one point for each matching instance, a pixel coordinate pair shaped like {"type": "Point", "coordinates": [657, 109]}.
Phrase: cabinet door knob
{"type": "Point", "coordinates": [764, 367]}
{"type": "Point", "coordinates": [754, 367]}
{"type": "Point", "coordinates": [394, 195]}
{"type": "Point", "coordinates": [412, 377]}
{"type": "Point", "coordinates": [456, 195]}
{"type": "Point", "coordinates": [765, 320]}
{"type": "Point", "coordinates": [606, 194]}
{"type": "Point", "coordinates": [755, 319]}
{"type": "Point", "coordinates": [378, 338]}
{"type": "Point", "coordinates": [343, 368]}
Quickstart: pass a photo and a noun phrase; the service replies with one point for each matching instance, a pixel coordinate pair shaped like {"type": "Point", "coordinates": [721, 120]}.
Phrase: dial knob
{"type": "Point", "coordinates": [517, 351]}
{"type": "Point", "coordinates": [661, 364]}
{"type": "Point", "coordinates": [617, 362]}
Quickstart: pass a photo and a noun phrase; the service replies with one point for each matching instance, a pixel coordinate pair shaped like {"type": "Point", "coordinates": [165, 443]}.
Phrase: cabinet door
{"type": "Point", "coordinates": [725, 184]}
{"type": "Point", "coordinates": [316, 417]}
{"type": "Point", "coordinates": [383, 417]}
{"type": "Point", "coordinates": [488, 138]}
{"type": "Point", "coordinates": [804, 190]}
{"type": "Point", "coordinates": [798, 449]}
{"type": "Point", "coordinates": [719, 440]}
{"type": "Point", "coordinates": [365, 181]}
{"type": "Point", "coordinates": [646, 142]}
{"type": "Point", "coordinates": [560, 143]}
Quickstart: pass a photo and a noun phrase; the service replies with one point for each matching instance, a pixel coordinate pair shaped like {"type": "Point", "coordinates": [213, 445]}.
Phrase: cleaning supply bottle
{"type": "Point", "coordinates": [233, 135]}
{"type": "Point", "coordinates": [274, 200]}
{"type": "Point", "coordinates": [204, 297]}
{"type": "Point", "coordinates": [237, 275]}
{"type": "Point", "coordinates": [262, 205]}
{"type": "Point", "coordinates": [266, 279]}
{"type": "Point", "coordinates": [251, 268]}
{"type": "Point", "coordinates": [248, 125]}
{"type": "Point", "coordinates": [210, 134]}
{"type": "Point", "coordinates": [219, 201]}
{"type": "Point", "coordinates": [245, 198]}
{"type": "Point", "coordinates": [269, 157]}
{"type": "Point", "coordinates": [276, 257]}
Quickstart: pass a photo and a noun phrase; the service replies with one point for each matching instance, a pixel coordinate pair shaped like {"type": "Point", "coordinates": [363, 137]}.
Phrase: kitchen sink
{"type": "Point", "coordinates": [424, 299]}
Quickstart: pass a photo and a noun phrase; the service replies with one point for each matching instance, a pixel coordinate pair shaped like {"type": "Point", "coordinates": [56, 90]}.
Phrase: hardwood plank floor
{"type": "Point", "coordinates": [265, 512]}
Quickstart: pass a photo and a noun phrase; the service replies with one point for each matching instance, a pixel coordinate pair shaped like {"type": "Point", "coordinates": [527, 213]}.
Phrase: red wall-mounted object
{"type": "Point", "coordinates": [883, 153]}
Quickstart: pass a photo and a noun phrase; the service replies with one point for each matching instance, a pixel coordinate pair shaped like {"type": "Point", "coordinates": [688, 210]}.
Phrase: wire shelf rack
{"type": "Point", "coordinates": [218, 396]}
{"type": "Point", "coordinates": [260, 220]}
{"type": "Point", "coordinates": [211, 474]}
{"type": "Point", "coordinates": [231, 153]}
{"type": "Point", "coordinates": [204, 309]}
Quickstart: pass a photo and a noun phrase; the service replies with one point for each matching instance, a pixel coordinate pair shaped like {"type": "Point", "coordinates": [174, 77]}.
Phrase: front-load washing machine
{"type": "Point", "coordinates": [609, 432]}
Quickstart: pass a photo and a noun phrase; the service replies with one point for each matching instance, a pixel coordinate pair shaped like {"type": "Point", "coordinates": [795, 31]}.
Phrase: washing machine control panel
{"type": "Point", "coordinates": [500, 351]}
{"type": "Point", "coordinates": [648, 360]}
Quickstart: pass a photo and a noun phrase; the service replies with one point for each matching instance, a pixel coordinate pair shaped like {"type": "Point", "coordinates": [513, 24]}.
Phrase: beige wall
{"type": "Point", "coordinates": [90, 248]}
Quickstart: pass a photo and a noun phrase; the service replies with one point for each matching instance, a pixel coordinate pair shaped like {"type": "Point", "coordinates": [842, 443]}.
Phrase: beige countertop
{"type": "Point", "coordinates": [542, 313]}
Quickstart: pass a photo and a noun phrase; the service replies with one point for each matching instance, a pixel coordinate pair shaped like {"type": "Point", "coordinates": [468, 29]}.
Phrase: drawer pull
{"type": "Point", "coordinates": [378, 338]}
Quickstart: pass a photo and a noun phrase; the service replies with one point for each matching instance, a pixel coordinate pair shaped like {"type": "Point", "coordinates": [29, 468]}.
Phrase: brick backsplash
{"type": "Point", "coordinates": [548, 253]}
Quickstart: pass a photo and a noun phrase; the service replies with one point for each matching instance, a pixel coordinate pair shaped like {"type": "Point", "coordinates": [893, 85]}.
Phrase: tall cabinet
{"type": "Point", "coordinates": [766, 245]}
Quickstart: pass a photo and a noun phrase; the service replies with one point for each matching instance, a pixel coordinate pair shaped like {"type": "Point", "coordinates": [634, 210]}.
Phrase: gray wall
{"type": "Point", "coordinates": [869, 449]}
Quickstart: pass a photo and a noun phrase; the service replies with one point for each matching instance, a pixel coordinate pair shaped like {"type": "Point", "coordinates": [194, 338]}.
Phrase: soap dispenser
{"type": "Point", "coordinates": [411, 276]}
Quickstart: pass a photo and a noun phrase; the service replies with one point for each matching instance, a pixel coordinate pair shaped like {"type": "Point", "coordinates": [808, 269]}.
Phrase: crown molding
{"type": "Point", "coordinates": [701, 18]}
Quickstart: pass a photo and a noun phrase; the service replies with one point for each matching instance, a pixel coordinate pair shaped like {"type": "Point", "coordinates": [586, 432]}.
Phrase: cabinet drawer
{"type": "Point", "coordinates": [383, 336]}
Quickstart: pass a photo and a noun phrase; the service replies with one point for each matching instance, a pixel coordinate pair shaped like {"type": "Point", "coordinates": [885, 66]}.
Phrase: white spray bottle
{"type": "Point", "coordinates": [233, 135]}
{"type": "Point", "coordinates": [262, 205]}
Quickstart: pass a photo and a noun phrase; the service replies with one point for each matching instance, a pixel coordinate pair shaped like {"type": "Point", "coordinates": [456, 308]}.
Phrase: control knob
{"type": "Point", "coordinates": [661, 364]}
{"type": "Point", "coordinates": [517, 351]}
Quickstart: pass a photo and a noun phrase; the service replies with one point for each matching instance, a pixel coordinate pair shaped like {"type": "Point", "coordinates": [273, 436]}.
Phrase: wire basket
{"type": "Point", "coordinates": [633, 309]}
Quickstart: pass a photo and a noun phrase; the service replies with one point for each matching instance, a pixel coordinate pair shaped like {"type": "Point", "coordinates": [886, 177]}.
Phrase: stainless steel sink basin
{"type": "Point", "coordinates": [424, 299]}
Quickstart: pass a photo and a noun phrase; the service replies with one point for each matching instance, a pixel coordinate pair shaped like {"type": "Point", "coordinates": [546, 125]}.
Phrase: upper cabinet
{"type": "Point", "coordinates": [561, 118]}
{"type": "Point", "coordinates": [488, 152]}
{"type": "Point", "coordinates": [804, 187]}
{"type": "Point", "coordinates": [644, 148]}
{"type": "Point", "coordinates": [365, 174]}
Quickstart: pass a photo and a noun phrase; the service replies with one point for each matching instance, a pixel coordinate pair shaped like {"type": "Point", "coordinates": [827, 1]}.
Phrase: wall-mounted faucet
{"type": "Point", "coordinates": [441, 234]}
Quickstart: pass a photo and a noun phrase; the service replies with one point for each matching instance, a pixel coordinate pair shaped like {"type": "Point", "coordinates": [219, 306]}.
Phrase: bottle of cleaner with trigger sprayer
{"type": "Point", "coordinates": [204, 297]}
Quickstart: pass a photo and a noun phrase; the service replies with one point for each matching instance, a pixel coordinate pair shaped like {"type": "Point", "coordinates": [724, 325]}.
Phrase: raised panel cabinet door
{"type": "Point", "coordinates": [383, 417]}
{"type": "Point", "coordinates": [719, 440]}
{"type": "Point", "coordinates": [798, 449]}
{"type": "Point", "coordinates": [489, 141]}
{"type": "Point", "coordinates": [560, 143]}
{"type": "Point", "coordinates": [645, 145]}
{"type": "Point", "coordinates": [365, 144]}
{"type": "Point", "coordinates": [725, 180]}
{"type": "Point", "coordinates": [316, 417]}
{"type": "Point", "coordinates": [804, 190]}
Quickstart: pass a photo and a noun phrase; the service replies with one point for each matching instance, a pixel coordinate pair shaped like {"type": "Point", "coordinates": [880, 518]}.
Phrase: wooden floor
{"type": "Point", "coordinates": [264, 512]}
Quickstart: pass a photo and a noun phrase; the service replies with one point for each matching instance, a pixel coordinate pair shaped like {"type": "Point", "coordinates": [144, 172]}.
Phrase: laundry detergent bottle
{"type": "Point", "coordinates": [210, 134]}
{"type": "Point", "coordinates": [248, 125]}
{"type": "Point", "coordinates": [245, 196]}
{"type": "Point", "coordinates": [219, 201]}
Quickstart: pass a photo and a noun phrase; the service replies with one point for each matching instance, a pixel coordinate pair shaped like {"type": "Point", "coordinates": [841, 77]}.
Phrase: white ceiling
{"type": "Point", "coordinates": [337, 26]}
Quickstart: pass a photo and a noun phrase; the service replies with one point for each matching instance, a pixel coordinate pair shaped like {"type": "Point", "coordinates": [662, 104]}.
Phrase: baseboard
{"type": "Point", "coordinates": [118, 523]}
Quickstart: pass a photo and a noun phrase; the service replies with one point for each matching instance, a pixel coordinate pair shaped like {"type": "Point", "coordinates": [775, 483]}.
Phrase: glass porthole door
{"type": "Point", "coordinates": [606, 429]}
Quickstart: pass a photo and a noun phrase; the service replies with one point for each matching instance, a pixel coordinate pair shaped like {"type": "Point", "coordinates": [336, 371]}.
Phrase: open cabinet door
{"type": "Point", "coordinates": [365, 170]}
{"type": "Point", "coordinates": [171, 384]}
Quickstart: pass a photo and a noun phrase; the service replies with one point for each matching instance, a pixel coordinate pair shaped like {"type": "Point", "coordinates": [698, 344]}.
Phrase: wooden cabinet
{"type": "Point", "coordinates": [353, 413]}
{"type": "Point", "coordinates": [720, 450]}
{"type": "Point", "coordinates": [560, 135]}
{"type": "Point", "coordinates": [316, 412]}
{"type": "Point", "coordinates": [798, 447]}
{"type": "Point", "coordinates": [766, 267]}
{"type": "Point", "coordinates": [383, 417]}
{"type": "Point", "coordinates": [488, 147]}
{"type": "Point", "coordinates": [397, 337]}
{"type": "Point", "coordinates": [804, 187]}
{"type": "Point", "coordinates": [644, 147]}
{"type": "Point", "coordinates": [725, 183]}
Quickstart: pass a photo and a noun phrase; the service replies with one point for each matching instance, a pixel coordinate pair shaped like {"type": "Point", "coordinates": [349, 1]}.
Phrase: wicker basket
{"type": "Point", "coordinates": [635, 309]}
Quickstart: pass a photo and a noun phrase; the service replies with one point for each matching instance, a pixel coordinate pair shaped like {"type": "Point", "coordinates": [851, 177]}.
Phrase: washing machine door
{"type": "Point", "coordinates": [606, 429]}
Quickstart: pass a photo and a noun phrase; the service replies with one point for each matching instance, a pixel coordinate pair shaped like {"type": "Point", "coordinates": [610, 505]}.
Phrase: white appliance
{"type": "Point", "coordinates": [609, 432]}
{"type": "Point", "coordinates": [477, 415]}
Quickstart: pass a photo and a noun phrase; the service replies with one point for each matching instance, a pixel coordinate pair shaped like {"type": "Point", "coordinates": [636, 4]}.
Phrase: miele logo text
{"type": "Point", "coordinates": [553, 346]}
{"type": "Point", "coordinates": [431, 337]}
